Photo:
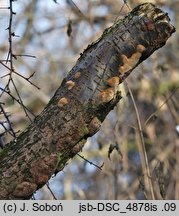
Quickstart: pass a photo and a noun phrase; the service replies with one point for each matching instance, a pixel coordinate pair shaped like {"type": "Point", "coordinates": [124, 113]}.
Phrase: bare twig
{"type": "Point", "coordinates": [91, 163]}
{"type": "Point", "coordinates": [11, 130]}
{"type": "Point", "coordinates": [9, 65]}
{"type": "Point", "coordinates": [75, 8]}
{"type": "Point", "coordinates": [4, 8]}
{"type": "Point", "coordinates": [168, 98]}
{"type": "Point", "coordinates": [54, 197]}
{"type": "Point", "coordinates": [15, 99]}
{"type": "Point", "coordinates": [142, 151]}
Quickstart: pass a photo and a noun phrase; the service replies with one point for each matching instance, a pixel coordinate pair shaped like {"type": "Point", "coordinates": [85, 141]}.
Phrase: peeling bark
{"type": "Point", "coordinates": [81, 103]}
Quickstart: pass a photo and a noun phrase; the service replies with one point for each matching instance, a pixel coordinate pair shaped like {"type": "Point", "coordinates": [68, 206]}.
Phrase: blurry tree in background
{"type": "Point", "coordinates": [56, 32]}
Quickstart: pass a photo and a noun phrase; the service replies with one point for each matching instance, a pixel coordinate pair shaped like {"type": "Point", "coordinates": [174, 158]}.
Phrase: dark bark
{"type": "Point", "coordinates": [82, 102]}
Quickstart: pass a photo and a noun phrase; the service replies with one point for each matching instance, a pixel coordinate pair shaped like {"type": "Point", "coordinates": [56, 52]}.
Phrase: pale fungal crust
{"type": "Point", "coordinates": [94, 125]}
{"type": "Point", "coordinates": [42, 169]}
{"type": "Point", "coordinates": [24, 189]}
{"type": "Point", "coordinates": [70, 84]}
{"type": "Point", "coordinates": [62, 102]}
{"type": "Point", "coordinates": [129, 63]}
{"type": "Point", "coordinates": [106, 95]}
{"type": "Point", "coordinates": [113, 81]}
{"type": "Point", "coordinates": [77, 75]}
{"type": "Point", "coordinates": [140, 48]}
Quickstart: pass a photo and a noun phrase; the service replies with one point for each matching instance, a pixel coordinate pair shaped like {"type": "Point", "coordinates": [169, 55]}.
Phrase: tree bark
{"type": "Point", "coordinates": [88, 93]}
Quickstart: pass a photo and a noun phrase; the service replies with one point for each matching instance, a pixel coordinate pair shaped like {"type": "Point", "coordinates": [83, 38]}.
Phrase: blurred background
{"type": "Point", "coordinates": [47, 39]}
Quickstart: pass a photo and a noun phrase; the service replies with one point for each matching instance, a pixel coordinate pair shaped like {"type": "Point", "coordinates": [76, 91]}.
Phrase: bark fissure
{"type": "Point", "coordinates": [79, 106]}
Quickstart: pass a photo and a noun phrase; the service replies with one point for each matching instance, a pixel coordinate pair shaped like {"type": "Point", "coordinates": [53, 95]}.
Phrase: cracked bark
{"type": "Point", "coordinates": [88, 93]}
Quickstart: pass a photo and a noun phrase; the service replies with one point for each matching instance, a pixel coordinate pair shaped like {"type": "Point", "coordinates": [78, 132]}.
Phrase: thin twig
{"type": "Point", "coordinates": [47, 184]}
{"type": "Point", "coordinates": [8, 121]}
{"type": "Point", "coordinates": [27, 79]}
{"type": "Point", "coordinates": [91, 163]}
{"type": "Point", "coordinates": [143, 154]}
{"type": "Point", "coordinates": [10, 66]}
{"type": "Point", "coordinates": [165, 101]}
{"type": "Point", "coordinates": [122, 7]}
{"type": "Point", "coordinates": [16, 99]}
{"type": "Point", "coordinates": [4, 8]}
{"type": "Point", "coordinates": [25, 55]}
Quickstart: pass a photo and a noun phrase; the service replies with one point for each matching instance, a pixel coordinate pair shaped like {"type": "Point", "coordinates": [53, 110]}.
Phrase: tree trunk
{"type": "Point", "coordinates": [81, 103]}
